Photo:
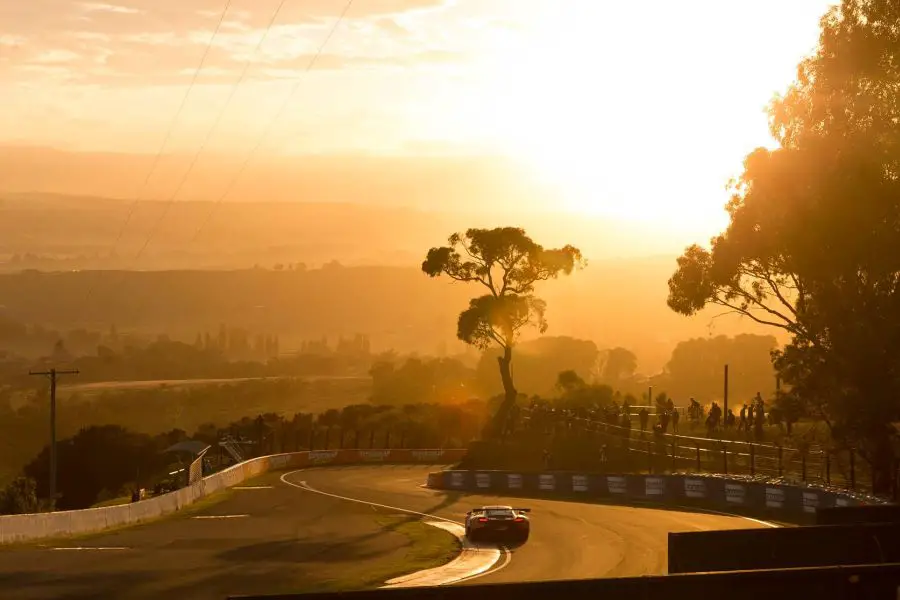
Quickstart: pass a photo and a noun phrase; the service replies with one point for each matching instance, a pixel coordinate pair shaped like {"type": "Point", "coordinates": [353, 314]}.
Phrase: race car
{"type": "Point", "coordinates": [498, 522]}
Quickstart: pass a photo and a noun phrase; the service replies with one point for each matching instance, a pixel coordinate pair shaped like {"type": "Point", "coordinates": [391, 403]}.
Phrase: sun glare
{"type": "Point", "coordinates": [634, 119]}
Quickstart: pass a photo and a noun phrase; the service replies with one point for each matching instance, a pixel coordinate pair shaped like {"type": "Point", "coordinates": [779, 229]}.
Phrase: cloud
{"type": "Point", "coordinates": [391, 27]}
{"type": "Point", "coordinates": [328, 62]}
{"type": "Point", "coordinates": [110, 8]}
{"type": "Point", "coordinates": [160, 42]}
{"type": "Point", "coordinates": [56, 56]}
{"type": "Point", "coordinates": [11, 40]}
{"type": "Point", "coordinates": [170, 68]}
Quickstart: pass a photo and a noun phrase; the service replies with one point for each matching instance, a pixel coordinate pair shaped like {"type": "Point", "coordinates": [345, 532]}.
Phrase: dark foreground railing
{"type": "Point", "coordinates": [848, 515]}
{"type": "Point", "coordinates": [784, 547]}
{"type": "Point", "coordinates": [869, 582]}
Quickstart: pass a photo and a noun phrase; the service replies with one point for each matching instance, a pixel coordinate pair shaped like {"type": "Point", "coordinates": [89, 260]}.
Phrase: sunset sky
{"type": "Point", "coordinates": [635, 109]}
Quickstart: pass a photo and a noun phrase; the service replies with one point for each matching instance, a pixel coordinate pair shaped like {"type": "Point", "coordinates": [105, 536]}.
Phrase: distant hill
{"type": "Point", "coordinates": [354, 208]}
{"type": "Point", "coordinates": [59, 232]}
{"type": "Point", "coordinates": [614, 303]}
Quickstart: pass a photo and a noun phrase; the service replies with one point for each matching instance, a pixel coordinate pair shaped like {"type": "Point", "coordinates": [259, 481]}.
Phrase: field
{"type": "Point", "coordinates": [87, 390]}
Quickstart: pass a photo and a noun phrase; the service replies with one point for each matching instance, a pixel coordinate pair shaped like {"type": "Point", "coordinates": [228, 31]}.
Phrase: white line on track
{"type": "Point", "coordinates": [725, 514]}
{"type": "Point", "coordinates": [219, 516]}
{"type": "Point", "coordinates": [91, 548]}
{"type": "Point", "coordinates": [503, 551]}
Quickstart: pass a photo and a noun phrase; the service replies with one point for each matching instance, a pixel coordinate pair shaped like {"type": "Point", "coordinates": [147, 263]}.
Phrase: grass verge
{"type": "Point", "coordinates": [113, 502]}
{"type": "Point", "coordinates": [426, 547]}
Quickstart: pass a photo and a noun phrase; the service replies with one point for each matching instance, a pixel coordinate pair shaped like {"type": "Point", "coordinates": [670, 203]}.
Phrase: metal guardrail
{"type": "Point", "coordinates": [673, 451]}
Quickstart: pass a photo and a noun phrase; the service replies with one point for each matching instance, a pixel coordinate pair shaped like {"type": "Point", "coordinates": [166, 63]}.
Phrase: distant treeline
{"type": "Point", "coordinates": [108, 461]}
{"type": "Point", "coordinates": [396, 307]}
{"type": "Point", "coordinates": [695, 370]}
{"type": "Point", "coordinates": [25, 429]}
{"type": "Point", "coordinates": [208, 357]}
{"type": "Point", "coordinates": [18, 339]}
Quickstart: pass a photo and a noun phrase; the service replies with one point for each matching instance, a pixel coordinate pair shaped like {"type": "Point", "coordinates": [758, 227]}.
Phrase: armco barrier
{"type": "Point", "coordinates": [20, 528]}
{"type": "Point", "coordinates": [790, 503]}
{"type": "Point", "coordinates": [784, 547]}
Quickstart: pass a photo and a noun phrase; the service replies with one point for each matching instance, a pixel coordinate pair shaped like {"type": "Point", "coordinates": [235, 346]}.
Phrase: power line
{"type": "Point", "coordinates": [215, 126]}
{"type": "Point", "coordinates": [272, 122]}
{"type": "Point", "coordinates": [178, 112]}
{"type": "Point", "coordinates": [209, 134]}
{"type": "Point", "coordinates": [166, 138]}
{"type": "Point", "coordinates": [266, 132]}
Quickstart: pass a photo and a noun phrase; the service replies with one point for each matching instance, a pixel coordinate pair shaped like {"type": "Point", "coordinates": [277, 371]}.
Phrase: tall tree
{"type": "Point", "coordinates": [616, 364]}
{"type": "Point", "coordinates": [507, 263]}
{"type": "Point", "coordinates": [813, 246]}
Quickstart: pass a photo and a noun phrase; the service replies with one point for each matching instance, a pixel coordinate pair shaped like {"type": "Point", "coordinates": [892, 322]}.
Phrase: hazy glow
{"type": "Point", "coordinates": [643, 119]}
{"type": "Point", "coordinates": [641, 110]}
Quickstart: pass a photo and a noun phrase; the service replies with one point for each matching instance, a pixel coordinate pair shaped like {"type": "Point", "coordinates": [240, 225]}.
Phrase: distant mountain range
{"type": "Point", "coordinates": [376, 217]}
{"type": "Point", "coordinates": [413, 202]}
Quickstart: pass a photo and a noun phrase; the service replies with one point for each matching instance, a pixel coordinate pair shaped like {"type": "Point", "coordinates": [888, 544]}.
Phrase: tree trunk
{"type": "Point", "coordinates": [501, 419]}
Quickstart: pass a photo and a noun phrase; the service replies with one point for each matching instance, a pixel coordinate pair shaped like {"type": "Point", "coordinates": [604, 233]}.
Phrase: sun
{"type": "Point", "coordinates": [637, 120]}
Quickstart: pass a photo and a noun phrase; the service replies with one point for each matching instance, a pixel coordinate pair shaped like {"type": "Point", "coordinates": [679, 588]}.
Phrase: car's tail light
{"type": "Point", "coordinates": [482, 519]}
{"type": "Point", "coordinates": [520, 520]}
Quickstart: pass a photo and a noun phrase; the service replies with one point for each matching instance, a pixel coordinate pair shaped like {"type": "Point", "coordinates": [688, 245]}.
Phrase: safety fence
{"type": "Point", "coordinates": [785, 502]}
{"type": "Point", "coordinates": [20, 528]}
{"type": "Point", "coordinates": [670, 451]}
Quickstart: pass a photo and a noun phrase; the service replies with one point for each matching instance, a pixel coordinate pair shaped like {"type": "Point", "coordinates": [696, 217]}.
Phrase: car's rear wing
{"type": "Point", "coordinates": [522, 510]}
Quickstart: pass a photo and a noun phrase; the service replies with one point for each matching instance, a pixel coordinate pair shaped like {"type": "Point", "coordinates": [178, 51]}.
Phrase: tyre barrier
{"type": "Point", "coordinates": [22, 528]}
{"type": "Point", "coordinates": [773, 501]}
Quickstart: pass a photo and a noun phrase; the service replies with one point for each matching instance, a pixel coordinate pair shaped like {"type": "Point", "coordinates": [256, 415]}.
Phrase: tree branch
{"type": "Point", "coordinates": [470, 279]}
{"type": "Point", "coordinates": [489, 282]}
{"type": "Point", "coordinates": [747, 313]}
{"type": "Point", "coordinates": [736, 290]}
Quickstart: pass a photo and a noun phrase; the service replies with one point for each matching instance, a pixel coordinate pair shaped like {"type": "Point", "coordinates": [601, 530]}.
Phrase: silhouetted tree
{"type": "Point", "coordinates": [507, 263]}
{"type": "Point", "coordinates": [695, 367]}
{"type": "Point", "coordinates": [812, 246]}
{"type": "Point", "coordinates": [19, 497]}
{"type": "Point", "coordinates": [617, 364]}
{"type": "Point", "coordinates": [568, 381]}
{"type": "Point", "coordinates": [538, 364]}
{"type": "Point", "coordinates": [97, 458]}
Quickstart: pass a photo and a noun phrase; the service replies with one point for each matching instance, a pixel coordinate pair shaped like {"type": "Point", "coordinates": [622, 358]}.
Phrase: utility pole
{"type": "Point", "coordinates": [52, 374]}
{"type": "Point", "coordinates": [725, 407]}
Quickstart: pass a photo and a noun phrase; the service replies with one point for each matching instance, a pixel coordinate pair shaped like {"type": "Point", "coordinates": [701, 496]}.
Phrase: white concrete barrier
{"type": "Point", "coordinates": [22, 528]}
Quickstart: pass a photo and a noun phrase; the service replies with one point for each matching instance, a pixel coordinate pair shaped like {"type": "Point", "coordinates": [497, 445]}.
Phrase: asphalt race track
{"type": "Point", "coordinates": [271, 536]}
{"type": "Point", "coordinates": [568, 540]}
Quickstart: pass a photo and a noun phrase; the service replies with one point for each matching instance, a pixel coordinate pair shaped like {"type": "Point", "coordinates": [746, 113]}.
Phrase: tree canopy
{"type": "Point", "coordinates": [507, 264]}
{"type": "Point", "coordinates": [813, 244]}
